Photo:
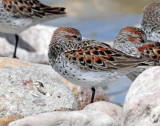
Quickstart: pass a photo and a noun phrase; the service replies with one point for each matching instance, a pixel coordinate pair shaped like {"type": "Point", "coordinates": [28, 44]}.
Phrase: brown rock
{"type": "Point", "coordinates": [10, 62]}
{"type": "Point", "coordinates": [83, 95]}
{"type": "Point", "coordinates": [7, 119]}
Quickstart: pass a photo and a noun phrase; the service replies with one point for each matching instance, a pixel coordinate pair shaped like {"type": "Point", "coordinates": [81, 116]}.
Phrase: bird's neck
{"type": "Point", "coordinates": [57, 49]}
{"type": "Point", "coordinates": [127, 47]}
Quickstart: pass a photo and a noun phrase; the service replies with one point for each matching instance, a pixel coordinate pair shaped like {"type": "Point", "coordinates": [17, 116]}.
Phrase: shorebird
{"type": "Point", "coordinates": [150, 22]}
{"type": "Point", "coordinates": [88, 63]}
{"type": "Point", "coordinates": [18, 15]}
{"type": "Point", "coordinates": [133, 41]}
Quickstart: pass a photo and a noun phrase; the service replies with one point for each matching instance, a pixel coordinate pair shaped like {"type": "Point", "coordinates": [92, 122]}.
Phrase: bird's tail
{"type": "Point", "coordinates": [55, 10]}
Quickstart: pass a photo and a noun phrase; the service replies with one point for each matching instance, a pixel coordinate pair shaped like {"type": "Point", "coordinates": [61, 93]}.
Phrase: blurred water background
{"type": "Point", "coordinates": [102, 20]}
{"type": "Point", "coordinates": [99, 19]}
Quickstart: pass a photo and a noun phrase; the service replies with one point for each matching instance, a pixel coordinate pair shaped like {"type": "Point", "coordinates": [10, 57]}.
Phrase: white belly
{"type": "Point", "coordinates": [87, 79]}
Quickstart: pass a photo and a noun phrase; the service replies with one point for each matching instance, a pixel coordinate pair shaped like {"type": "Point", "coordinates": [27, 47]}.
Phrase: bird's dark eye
{"type": "Point", "coordinates": [74, 36]}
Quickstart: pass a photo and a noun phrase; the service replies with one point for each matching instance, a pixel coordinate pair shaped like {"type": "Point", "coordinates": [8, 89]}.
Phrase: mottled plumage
{"type": "Point", "coordinates": [134, 40]}
{"type": "Point", "coordinates": [138, 46]}
{"type": "Point", "coordinates": [128, 39]}
{"type": "Point", "coordinates": [18, 15]}
{"type": "Point", "coordinates": [88, 63]}
{"type": "Point", "coordinates": [150, 23]}
{"type": "Point", "coordinates": [151, 51]}
{"type": "Point", "coordinates": [30, 8]}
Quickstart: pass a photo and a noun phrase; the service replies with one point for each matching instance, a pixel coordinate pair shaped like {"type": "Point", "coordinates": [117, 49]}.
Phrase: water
{"type": "Point", "coordinates": [102, 20]}
{"type": "Point", "coordinates": [102, 30]}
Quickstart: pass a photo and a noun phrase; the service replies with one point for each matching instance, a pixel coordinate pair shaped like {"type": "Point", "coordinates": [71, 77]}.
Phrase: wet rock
{"type": "Point", "coordinates": [28, 89]}
{"type": "Point", "coordinates": [142, 103]}
{"type": "Point", "coordinates": [83, 95]}
{"type": "Point", "coordinates": [110, 109]}
{"type": "Point", "coordinates": [75, 118]}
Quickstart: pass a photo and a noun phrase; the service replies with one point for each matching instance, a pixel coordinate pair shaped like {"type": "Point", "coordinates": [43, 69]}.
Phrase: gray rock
{"type": "Point", "coordinates": [110, 109]}
{"type": "Point", "coordinates": [32, 89]}
{"type": "Point", "coordinates": [75, 118]}
{"type": "Point", "coordinates": [142, 103]}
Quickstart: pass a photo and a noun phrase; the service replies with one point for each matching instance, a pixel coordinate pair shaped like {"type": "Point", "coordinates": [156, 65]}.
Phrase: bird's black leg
{"type": "Point", "coordinates": [15, 49]}
{"type": "Point", "coordinates": [93, 93]}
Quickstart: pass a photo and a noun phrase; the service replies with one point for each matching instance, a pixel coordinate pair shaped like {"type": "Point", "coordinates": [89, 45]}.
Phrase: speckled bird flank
{"type": "Point", "coordinates": [87, 63]}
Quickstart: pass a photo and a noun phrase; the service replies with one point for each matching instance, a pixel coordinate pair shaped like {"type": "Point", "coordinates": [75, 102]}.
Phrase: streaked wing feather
{"type": "Point", "coordinates": [151, 51]}
{"type": "Point", "coordinates": [94, 55]}
{"type": "Point", "coordinates": [31, 8]}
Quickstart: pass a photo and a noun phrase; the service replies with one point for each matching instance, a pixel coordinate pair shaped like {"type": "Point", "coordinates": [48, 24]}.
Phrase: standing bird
{"type": "Point", "coordinates": [88, 63]}
{"type": "Point", "coordinates": [150, 22]}
{"type": "Point", "coordinates": [133, 41]}
{"type": "Point", "coordinates": [18, 15]}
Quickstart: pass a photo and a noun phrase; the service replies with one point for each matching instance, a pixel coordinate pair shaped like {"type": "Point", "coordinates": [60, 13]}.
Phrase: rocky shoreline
{"type": "Point", "coordinates": [31, 93]}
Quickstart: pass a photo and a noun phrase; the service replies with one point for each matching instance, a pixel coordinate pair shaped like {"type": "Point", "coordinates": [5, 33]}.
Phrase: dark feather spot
{"type": "Point", "coordinates": [96, 48]}
{"type": "Point", "coordinates": [88, 52]}
{"type": "Point", "coordinates": [73, 51]}
{"type": "Point", "coordinates": [82, 61]}
{"type": "Point", "coordinates": [147, 51]}
{"type": "Point", "coordinates": [31, 3]}
{"type": "Point", "coordinates": [21, 1]}
{"type": "Point", "coordinates": [101, 52]}
{"type": "Point", "coordinates": [80, 53]}
{"type": "Point", "coordinates": [9, 6]}
{"type": "Point", "coordinates": [74, 36]}
{"type": "Point", "coordinates": [109, 52]}
{"type": "Point", "coordinates": [117, 55]}
{"type": "Point", "coordinates": [99, 61]}
{"type": "Point", "coordinates": [90, 66]}
{"type": "Point", "coordinates": [88, 61]}
{"type": "Point", "coordinates": [111, 59]}
{"type": "Point", "coordinates": [21, 8]}
{"type": "Point", "coordinates": [158, 51]}
{"type": "Point", "coordinates": [29, 9]}
{"type": "Point", "coordinates": [74, 58]}
{"type": "Point", "coordinates": [154, 57]}
{"type": "Point", "coordinates": [95, 52]}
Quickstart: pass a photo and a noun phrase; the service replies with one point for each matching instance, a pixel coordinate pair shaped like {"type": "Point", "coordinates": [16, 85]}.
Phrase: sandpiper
{"type": "Point", "coordinates": [18, 15]}
{"type": "Point", "coordinates": [150, 22]}
{"type": "Point", "coordinates": [88, 63]}
{"type": "Point", "coordinates": [133, 41]}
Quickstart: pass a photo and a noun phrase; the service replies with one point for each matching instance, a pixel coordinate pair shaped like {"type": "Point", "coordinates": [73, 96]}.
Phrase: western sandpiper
{"type": "Point", "coordinates": [18, 15]}
{"type": "Point", "coordinates": [88, 63]}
